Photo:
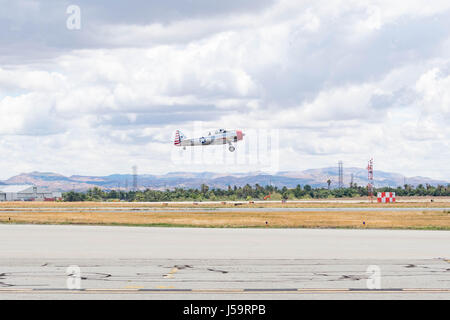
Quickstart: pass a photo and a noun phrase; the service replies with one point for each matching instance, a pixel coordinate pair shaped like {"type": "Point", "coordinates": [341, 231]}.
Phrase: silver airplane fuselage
{"type": "Point", "coordinates": [219, 137]}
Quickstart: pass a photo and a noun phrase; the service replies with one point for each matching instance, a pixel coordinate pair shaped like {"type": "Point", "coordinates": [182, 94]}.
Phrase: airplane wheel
{"type": "Point", "coordinates": [231, 148]}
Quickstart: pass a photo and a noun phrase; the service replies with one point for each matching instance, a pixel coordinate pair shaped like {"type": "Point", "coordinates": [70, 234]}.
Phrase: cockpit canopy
{"type": "Point", "coordinates": [220, 131]}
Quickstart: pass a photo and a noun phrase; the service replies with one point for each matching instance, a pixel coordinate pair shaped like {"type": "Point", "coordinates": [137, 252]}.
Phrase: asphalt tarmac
{"type": "Point", "coordinates": [196, 263]}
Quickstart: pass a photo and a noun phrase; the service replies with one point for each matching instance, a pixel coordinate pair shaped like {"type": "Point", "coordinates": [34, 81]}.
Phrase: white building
{"type": "Point", "coordinates": [26, 193]}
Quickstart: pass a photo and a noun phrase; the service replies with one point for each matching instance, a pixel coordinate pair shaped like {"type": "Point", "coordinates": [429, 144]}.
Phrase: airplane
{"type": "Point", "coordinates": [220, 136]}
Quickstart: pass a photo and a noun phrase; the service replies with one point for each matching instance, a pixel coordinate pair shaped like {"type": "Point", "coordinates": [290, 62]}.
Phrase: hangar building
{"type": "Point", "coordinates": [26, 193]}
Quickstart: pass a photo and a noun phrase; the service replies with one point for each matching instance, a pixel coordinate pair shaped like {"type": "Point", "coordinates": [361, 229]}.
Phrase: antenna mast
{"type": "Point", "coordinates": [370, 179]}
{"type": "Point", "coordinates": [135, 183]}
{"type": "Point", "coordinates": [341, 174]}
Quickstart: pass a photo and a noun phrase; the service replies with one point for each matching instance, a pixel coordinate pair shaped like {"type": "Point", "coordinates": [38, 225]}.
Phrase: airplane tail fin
{"type": "Point", "coordinates": [179, 136]}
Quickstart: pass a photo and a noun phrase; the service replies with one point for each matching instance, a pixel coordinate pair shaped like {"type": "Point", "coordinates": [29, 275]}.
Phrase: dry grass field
{"type": "Point", "coordinates": [403, 202]}
{"type": "Point", "coordinates": [39, 213]}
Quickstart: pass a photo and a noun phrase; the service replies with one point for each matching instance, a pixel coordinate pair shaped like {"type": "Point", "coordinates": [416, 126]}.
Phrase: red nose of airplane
{"type": "Point", "coordinates": [239, 134]}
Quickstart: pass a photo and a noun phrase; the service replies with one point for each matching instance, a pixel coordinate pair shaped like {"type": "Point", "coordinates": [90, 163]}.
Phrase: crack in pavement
{"type": "Point", "coordinates": [216, 270]}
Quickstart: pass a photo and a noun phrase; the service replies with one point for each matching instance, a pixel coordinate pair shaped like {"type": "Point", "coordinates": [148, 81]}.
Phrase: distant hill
{"type": "Point", "coordinates": [313, 177]}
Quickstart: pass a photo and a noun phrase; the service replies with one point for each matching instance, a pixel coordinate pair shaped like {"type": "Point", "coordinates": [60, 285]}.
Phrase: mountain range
{"type": "Point", "coordinates": [313, 177]}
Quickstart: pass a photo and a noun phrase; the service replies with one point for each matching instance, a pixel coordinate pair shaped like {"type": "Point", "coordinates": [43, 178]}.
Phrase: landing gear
{"type": "Point", "coordinates": [231, 148]}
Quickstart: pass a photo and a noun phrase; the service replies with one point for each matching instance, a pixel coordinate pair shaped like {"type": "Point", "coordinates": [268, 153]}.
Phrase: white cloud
{"type": "Point", "coordinates": [434, 88]}
{"type": "Point", "coordinates": [340, 80]}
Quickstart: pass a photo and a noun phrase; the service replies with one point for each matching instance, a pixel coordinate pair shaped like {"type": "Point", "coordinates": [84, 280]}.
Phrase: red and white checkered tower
{"type": "Point", "coordinates": [370, 178]}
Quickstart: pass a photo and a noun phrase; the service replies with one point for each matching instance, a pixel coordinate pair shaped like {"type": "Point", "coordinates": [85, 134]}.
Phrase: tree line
{"type": "Point", "coordinates": [248, 193]}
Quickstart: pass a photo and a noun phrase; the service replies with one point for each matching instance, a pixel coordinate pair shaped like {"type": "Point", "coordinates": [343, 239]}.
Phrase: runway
{"type": "Point", "coordinates": [185, 263]}
{"type": "Point", "coordinates": [200, 209]}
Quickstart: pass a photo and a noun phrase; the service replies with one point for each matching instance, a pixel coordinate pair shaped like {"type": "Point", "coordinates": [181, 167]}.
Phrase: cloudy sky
{"type": "Point", "coordinates": [339, 80]}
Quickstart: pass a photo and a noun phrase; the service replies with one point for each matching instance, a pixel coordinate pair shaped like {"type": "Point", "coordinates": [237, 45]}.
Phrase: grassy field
{"type": "Point", "coordinates": [404, 219]}
{"type": "Point", "coordinates": [405, 202]}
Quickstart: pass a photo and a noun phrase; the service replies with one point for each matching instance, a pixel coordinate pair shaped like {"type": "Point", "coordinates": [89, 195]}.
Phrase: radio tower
{"type": "Point", "coordinates": [135, 178]}
{"type": "Point", "coordinates": [370, 179]}
{"type": "Point", "coordinates": [341, 174]}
